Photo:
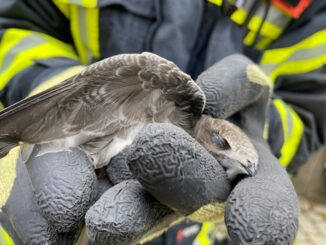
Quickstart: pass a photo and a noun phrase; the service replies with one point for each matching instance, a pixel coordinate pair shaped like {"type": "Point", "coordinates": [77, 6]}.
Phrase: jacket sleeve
{"type": "Point", "coordinates": [296, 65]}
{"type": "Point", "coordinates": [35, 45]}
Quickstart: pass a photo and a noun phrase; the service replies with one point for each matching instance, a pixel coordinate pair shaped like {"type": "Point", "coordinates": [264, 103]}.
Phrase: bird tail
{"type": "Point", "coordinates": [6, 145]}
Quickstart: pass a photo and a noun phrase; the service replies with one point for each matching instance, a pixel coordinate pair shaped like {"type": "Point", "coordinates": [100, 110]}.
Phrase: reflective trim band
{"type": "Point", "coordinates": [292, 129]}
{"type": "Point", "coordinates": [250, 38]}
{"type": "Point", "coordinates": [77, 32]}
{"type": "Point", "coordinates": [83, 3]}
{"type": "Point", "coordinates": [64, 8]}
{"type": "Point", "coordinates": [92, 27]}
{"type": "Point", "coordinates": [25, 43]}
{"type": "Point", "coordinates": [268, 29]}
{"type": "Point", "coordinates": [279, 55]}
{"type": "Point", "coordinates": [85, 31]}
{"type": "Point", "coordinates": [84, 25]}
{"type": "Point", "coordinates": [239, 16]}
{"type": "Point", "coordinates": [56, 79]}
{"type": "Point", "coordinates": [5, 239]}
{"type": "Point", "coordinates": [216, 2]}
{"type": "Point", "coordinates": [8, 176]}
{"type": "Point", "coordinates": [204, 236]}
{"type": "Point", "coordinates": [19, 48]}
{"type": "Point", "coordinates": [263, 42]}
{"type": "Point", "coordinates": [303, 57]}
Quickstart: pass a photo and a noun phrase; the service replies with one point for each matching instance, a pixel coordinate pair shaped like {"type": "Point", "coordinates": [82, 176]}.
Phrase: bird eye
{"type": "Point", "coordinates": [219, 141]}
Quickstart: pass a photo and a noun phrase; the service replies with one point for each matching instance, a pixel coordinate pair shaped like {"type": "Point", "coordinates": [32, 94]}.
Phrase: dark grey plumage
{"type": "Point", "coordinates": [103, 108]}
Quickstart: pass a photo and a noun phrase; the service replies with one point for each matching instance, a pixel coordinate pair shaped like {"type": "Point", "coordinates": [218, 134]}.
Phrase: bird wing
{"type": "Point", "coordinates": [109, 95]}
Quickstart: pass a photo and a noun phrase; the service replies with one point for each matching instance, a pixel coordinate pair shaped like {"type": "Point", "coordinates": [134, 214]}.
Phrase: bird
{"type": "Point", "coordinates": [101, 110]}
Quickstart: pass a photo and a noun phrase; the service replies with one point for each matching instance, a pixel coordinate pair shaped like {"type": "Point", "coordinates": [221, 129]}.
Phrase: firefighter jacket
{"type": "Point", "coordinates": [42, 41]}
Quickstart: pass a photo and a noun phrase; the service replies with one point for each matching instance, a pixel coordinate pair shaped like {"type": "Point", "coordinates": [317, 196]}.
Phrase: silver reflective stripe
{"type": "Point", "coordinates": [274, 24]}
{"type": "Point", "coordinates": [278, 18]}
{"type": "Point", "coordinates": [24, 44]}
{"type": "Point", "coordinates": [275, 16]}
{"type": "Point", "coordinates": [268, 68]}
{"type": "Point", "coordinates": [83, 30]}
{"type": "Point", "coordinates": [260, 10]}
{"type": "Point", "coordinates": [308, 53]}
{"type": "Point", "coordinates": [78, 2]}
{"type": "Point", "coordinates": [300, 55]}
{"type": "Point", "coordinates": [289, 122]}
{"type": "Point", "coordinates": [247, 4]}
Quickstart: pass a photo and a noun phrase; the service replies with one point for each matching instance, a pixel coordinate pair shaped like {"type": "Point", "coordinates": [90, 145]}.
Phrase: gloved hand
{"type": "Point", "coordinates": [47, 204]}
{"type": "Point", "coordinates": [262, 209]}
{"type": "Point", "coordinates": [165, 163]}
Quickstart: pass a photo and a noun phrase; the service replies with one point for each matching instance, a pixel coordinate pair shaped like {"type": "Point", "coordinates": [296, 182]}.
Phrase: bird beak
{"type": "Point", "coordinates": [251, 170]}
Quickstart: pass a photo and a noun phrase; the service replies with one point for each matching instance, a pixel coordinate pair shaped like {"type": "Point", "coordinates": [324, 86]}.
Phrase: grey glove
{"type": "Point", "coordinates": [179, 173]}
{"type": "Point", "coordinates": [261, 209]}
{"type": "Point", "coordinates": [48, 202]}
{"type": "Point", "coordinates": [172, 177]}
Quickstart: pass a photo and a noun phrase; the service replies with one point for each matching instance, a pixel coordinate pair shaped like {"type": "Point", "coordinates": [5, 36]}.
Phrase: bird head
{"type": "Point", "coordinates": [229, 145]}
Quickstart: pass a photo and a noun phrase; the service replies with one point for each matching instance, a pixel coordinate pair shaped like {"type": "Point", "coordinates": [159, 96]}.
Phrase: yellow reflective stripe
{"type": "Point", "coordinates": [263, 43]}
{"type": "Point", "coordinates": [84, 3]}
{"type": "Point", "coordinates": [239, 16]}
{"type": "Point", "coordinates": [250, 38]}
{"type": "Point", "coordinates": [275, 56]}
{"type": "Point", "coordinates": [268, 29]}
{"type": "Point", "coordinates": [85, 31]}
{"type": "Point", "coordinates": [56, 79]}
{"type": "Point", "coordinates": [216, 2]}
{"type": "Point", "coordinates": [303, 57]}
{"type": "Point", "coordinates": [64, 8]}
{"type": "Point", "coordinates": [7, 174]}
{"type": "Point", "coordinates": [1, 106]}
{"type": "Point", "coordinates": [89, 3]}
{"type": "Point", "coordinates": [292, 130]}
{"type": "Point", "coordinates": [84, 21]}
{"type": "Point", "coordinates": [298, 67]}
{"type": "Point", "coordinates": [5, 239]}
{"type": "Point", "coordinates": [19, 48]}
{"type": "Point", "coordinates": [272, 27]}
{"type": "Point", "coordinates": [203, 237]}
{"type": "Point", "coordinates": [10, 40]}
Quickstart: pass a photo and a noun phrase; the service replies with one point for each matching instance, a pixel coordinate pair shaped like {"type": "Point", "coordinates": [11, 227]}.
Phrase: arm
{"type": "Point", "coordinates": [35, 45]}
{"type": "Point", "coordinates": [36, 51]}
{"type": "Point", "coordinates": [295, 64]}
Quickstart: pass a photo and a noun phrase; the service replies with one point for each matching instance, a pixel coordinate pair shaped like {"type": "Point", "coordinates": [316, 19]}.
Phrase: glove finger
{"type": "Point", "coordinates": [65, 186]}
{"type": "Point", "coordinates": [24, 214]}
{"type": "Point", "coordinates": [69, 238]}
{"type": "Point", "coordinates": [177, 170]}
{"type": "Point", "coordinates": [118, 169]}
{"type": "Point", "coordinates": [263, 209]}
{"type": "Point", "coordinates": [126, 214]}
{"type": "Point", "coordinates": [233, 84]}
{"type": "Point", "coordinates": [102, 186]}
